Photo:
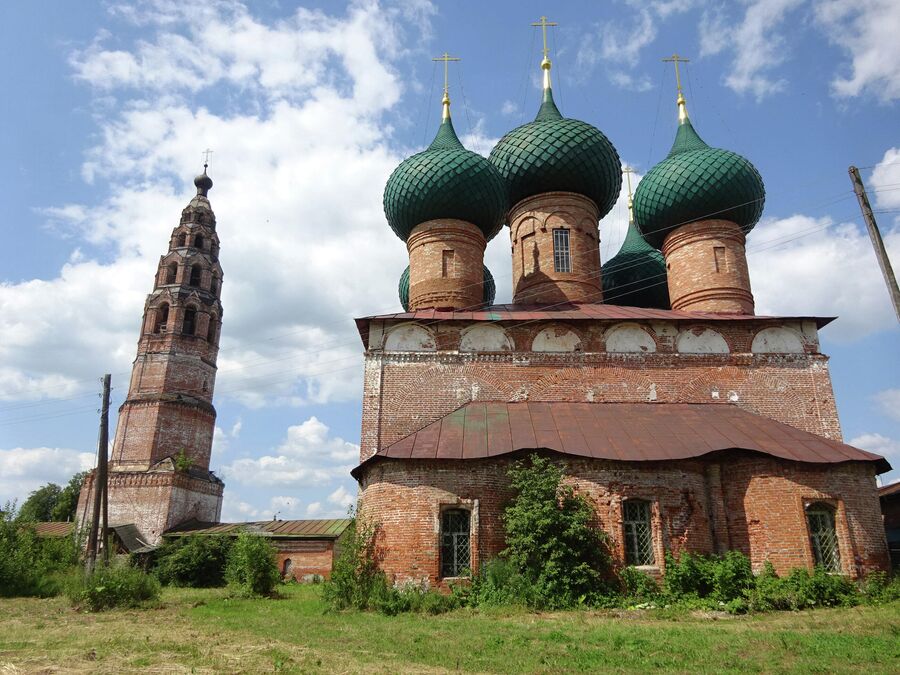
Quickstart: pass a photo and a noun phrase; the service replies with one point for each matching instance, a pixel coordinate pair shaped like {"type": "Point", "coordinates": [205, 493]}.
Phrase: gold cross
{"type": "Point", "coordinates": [446, 58]}
{"type": "Point", "coordinates": [627, 170]}
{"type": "Point", "coordinates": [206, 153]}
{"type": "Point", "coordinates": [676, 59]}
{"type": "Point", "coordinates": [544, 24]}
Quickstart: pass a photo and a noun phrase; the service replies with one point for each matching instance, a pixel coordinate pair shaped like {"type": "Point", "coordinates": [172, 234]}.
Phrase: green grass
{"type": "Point", "coordinates": [206, 631]}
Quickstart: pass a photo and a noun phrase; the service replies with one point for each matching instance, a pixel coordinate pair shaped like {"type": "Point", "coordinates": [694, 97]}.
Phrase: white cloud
{"type": "Point", "coordinates": [792, 268]}
{"type": "Point", "coordinates": [307, 121]}
{"type": "Point", "coordinates": [889, 402]}
{"type": "Point", "coordinates": [314, 509]}
{"type": "Point", "coordinates": [342, 497]}
{"type": "Point", "coordinates": [757, 40]}
{"type": "Point", "coordinates": [240, 511]}
{"type": "Point", "coordinates": [885, 181]}
{"type": "Point", "coordinates": [888, 448]}
{"type": "Point", "coordinates": [23, 470]}
{"type": "Point", "coordinates": [236, 428]}
{"type": "Point", "coordinates": [509, 108]}
{"type": "Point", "coordinates": [867, 30]}
{"type": "Point", "coordinates": [308, 457]}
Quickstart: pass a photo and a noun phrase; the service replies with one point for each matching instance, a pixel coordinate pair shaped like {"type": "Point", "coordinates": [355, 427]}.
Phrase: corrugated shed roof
{"type": "Point", "coordinates": [571, 312]}
{"type": "Point", "coordinates": [131, 538]}
{"type": "Point", "coordinates": [631, 432]}
{"type": "Point", "coordinates": [53, 529]}
{"type": "Point", "coordinates": [889, 490]}
{"type": "Point", "coordinates": [290, 529]}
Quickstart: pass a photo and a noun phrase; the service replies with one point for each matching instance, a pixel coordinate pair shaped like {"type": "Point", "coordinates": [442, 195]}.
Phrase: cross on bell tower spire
{"type": "Point", "coordinates": [545, 63]}
{"type": "Point", "coordinates": [682, 106]}
{"type": "Point", "coordinates": [445, 101]}
{"type": "Point", "coordinates": [627, 170]}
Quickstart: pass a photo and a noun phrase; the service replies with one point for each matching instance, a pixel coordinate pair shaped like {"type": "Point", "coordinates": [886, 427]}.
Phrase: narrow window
{"type": "Point", "coordinates": [214, 286]}
{"type": "Point", "coordinates": [189, 326]}
{"type": "Point", "coordinates": [181, 240]}
{"type": "Point", "coordinates": [171, 273]}
{"type": "Point", "coordinates": [447, 264]}
{"type": "Point", "coordinates": [719, 256]}
{"type": "Point", "coordinates": [198, 241]}
{"type": "Point", "coordinates": [162, 317]}
{"type": "Point", "coordinates": [455, 550]}
{"type": "Point", "coordinates": [638, 532]}
{"type": "Point", "coordinates": [562, 261]}
{"type": "Point", "coordinates": [823, 537]}
{"type": "Point", "coordinates": [287, 569]}
{"type": "Point", "coordinates": [529, 255]}
{"type": "Point", "coordinates": [196, 275]}
{"type": "Point", "coordinates": [211, 330]}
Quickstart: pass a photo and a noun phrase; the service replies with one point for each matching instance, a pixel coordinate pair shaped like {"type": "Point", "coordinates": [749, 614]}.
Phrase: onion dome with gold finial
{"type": "Point", "coordinates": [487, 298]}
{"type": "Point", "coordinates": [696, 182]}
{"type": "Point", "coordinates": [445, 181]}
{"type": "Point", "coordinates": [558, 154]}
{"type": "Point", "coordinates": [636, 276]}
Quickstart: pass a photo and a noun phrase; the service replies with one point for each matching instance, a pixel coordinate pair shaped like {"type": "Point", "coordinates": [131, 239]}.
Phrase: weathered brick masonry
{"type": "Point", "coordinates": [743, 501]}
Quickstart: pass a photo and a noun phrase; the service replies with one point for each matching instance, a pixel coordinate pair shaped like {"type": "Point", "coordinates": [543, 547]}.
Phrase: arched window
{"type": "Point", "coordinates": [213, 285]}
{"type": "Point", "coordinates": [196, 275]}
{"type": "Point", "coordinates": [198, 241]}
{"type": "Point", "coordinates": [562, 259]}
{"type": "Point", "coordinates": [823, 536]}
{"type": "Point", "coordinates": [211, 330]}
{"type": "Point", "coordinates": [287, 569]}
{"type": "Point", "coordinates": [189, 326]}
{"type": "Point", "coordinates": [455, 543]}
{"type": "Point", "coordinates": [181, 240]}
{"type": "Point", "coordinates": [171, 273]}
{"type": "Point", "coordinates": [162, 317]}
{"type": "Point", "coordinates": [638, 532]}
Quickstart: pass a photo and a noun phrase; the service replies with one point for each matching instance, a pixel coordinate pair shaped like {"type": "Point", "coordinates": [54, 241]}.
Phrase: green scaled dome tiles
{"type": "Point", "coordinates": [445, 181]}
{"type": "Point", "coordinates": [697, 182]}
{"type": "Point", "coordinates": [636, 275]}
{"type": "Point", "coordinates": [554, 153]}
{"type": "Point", "coordinates": [487, 297]}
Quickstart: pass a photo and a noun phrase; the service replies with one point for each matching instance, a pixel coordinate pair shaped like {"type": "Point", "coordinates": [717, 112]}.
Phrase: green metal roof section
{"type": "Point", "coordinates": [636, 275]}
{"type": "Point", "coordinates": [445, 181]}
{"type": "Point", "coordinates": [487, 296]}
{"type": "Point", "coordinates": [555, 153]}
{"type": "Point", "coordinates": [288, 529]}
{"type": "Point", "coordinates": [696, 182]}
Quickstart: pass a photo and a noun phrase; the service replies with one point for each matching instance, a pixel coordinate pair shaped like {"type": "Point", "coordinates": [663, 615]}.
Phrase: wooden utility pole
{"type": "Point", "coordinates": [877, 243]}
{"type": "Point", "coordinates": [100, 485]}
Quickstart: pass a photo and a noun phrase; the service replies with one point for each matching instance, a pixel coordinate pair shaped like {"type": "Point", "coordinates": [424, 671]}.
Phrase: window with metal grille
{"type": "Point", "coordinates": [562, 260]}
{"type": "Point", "coordinates": [823, 536]}
{"type": "Point", "coordinates": [455, 543]}
{"type": "Point", "coordinates": [638, 532]}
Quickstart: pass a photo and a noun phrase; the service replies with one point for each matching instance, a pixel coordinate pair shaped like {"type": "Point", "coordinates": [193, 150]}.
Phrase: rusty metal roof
{"type": "Point", "coordinates": [288, 529]}
{"type": "Point", "coordinates": [631, 432]}
{"type": "Point", "coordinates": [571, 312]}
{"type": "Point", "coordinates": [53, 529]}
{"type": "Point", "coordinates": [889, 490]}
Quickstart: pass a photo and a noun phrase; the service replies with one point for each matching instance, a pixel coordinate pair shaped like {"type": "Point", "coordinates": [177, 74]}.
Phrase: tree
{"type": "Point", "coordinates": [40, 504]}
{"type": "Point", "coordinates": [67, 503]}
{"type": "Point", "coordinates": [551, 537]}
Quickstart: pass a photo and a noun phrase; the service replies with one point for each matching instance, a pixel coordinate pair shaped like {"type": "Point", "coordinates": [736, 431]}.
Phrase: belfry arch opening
{"type": "Point", "coordinates": [189, 325]}
{"type": "Point", "coordinates": [162, 317]}
{"type": "Point", "coordinates": [171, 273]}
{"type": "Point", "coordinates": [196, 275]}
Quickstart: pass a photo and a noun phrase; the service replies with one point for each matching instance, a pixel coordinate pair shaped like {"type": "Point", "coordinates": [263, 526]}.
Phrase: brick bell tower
{"type": "Point", "coordinates": [159, 469]}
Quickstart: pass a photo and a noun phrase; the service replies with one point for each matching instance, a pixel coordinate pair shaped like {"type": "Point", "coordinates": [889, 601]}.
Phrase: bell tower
{"type": "Point", "coordinates": [159, 468]}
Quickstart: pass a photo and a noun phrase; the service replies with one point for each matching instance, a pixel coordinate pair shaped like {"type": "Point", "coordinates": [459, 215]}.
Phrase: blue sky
{"type": "Point", "coordinates": [308, 107]}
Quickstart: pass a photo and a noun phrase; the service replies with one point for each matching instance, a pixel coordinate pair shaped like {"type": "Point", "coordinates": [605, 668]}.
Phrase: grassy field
{"type": "Point", "coordinates": [206, 631]}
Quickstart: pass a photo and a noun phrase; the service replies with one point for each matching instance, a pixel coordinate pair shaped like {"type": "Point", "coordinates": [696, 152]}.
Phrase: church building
{"type": "Point", "coordinates": [688, 421]}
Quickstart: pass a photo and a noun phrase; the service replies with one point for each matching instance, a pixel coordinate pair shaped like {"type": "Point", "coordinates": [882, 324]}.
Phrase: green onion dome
{"type": "Point", "coordinates": [636, 275]}
{"type": "Point", "coordinates": [697, 182]}
{"type": "Point", "coordinates": [445, 181]}
{"type": "Point", "coordinates": [490, 289]}
{"type": "Point", "coordinates": [555, 153]}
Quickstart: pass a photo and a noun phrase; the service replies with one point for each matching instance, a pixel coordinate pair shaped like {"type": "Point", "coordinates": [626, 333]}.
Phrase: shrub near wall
{"type": "Point", "coordinates": [31, 565]}
{"type": "Point", "coordinates": [197, 561]}
{"type": "Point", "coordinates": [252, 565]}
{"type": "Point", "coordinates": [116, 585]}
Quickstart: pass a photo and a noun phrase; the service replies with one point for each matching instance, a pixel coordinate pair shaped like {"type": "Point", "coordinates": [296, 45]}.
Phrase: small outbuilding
{"type": "Point", "coordinates": [306, 548]}
{"type": "Point", "coordinates": [889, 496]}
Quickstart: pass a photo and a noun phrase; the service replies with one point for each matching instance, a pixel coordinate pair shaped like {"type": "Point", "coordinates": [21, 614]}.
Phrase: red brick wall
{"type": "Point", "coordinates": [763, 498]}
{"type": "Point", "coordinates": [707, 268]}
{"type": "Point", "coordinates": [532, 222]}
{"type": "Point", "coordinates": [404, 392]}
{"type": "Point", "coordinates": [449, 246]}
{"type": "Point", "coordinates": [307, 557]}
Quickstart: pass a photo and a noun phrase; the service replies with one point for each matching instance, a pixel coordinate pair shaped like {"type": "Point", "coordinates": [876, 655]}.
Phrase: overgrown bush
{"type": "Point", "coordinates": [879, 589]}
{"type": "Point", "coordinates": [801, 589]}
{"type": "Point", "coordinates": [719, 578]}
{"type": "Point", "coordinates": [551, 539]}
{"type": "Point", "coordinates": [355, 577]}
{"type": "Point", "coordinates": [497, 583]}
{"type": "Point", "coordinates": [252, 567]}
{"type": "Point", "coordinates": [32, 565]}
{"type": "Point", "coordinates": [638, 586]}
{"type": "Point", "coordinates": [197, 561]}
{"type": "Point", "coordinates": [117, 585]}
